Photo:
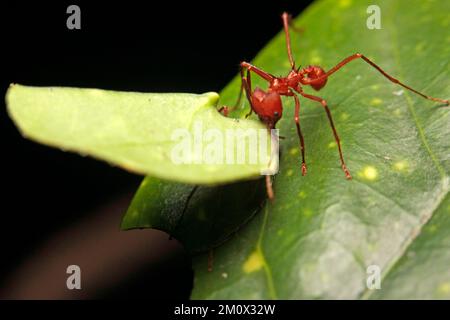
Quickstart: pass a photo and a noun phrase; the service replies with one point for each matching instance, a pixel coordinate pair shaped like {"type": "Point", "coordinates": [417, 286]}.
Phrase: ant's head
{"type": "Point", "coordinates": [313, 72]}
{"type": "Point", "coordinates": [268, 106]}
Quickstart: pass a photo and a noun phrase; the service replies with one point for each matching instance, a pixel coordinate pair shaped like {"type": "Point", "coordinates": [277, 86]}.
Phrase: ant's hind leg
{"type": "Point", "coordinates": [336, 137]}
{"type": "Point", "coordinates": [379, 69]}
{"type": "Point", "coordinates": [299, 132]}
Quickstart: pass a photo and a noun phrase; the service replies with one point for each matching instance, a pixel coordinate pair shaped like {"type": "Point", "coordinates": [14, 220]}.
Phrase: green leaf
{"type": "Point", "coordinates": [200, 217]}
{"type": "Point", "coordinates": [136, 131]}
{"type": "Point", "coordinates": [322, 232]}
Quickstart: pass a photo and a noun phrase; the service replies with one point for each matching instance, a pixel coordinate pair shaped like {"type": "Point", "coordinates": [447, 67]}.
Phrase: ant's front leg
{"type": "Point", "coordinates": [245, 85]}
{"type": "Point", "coordinates": [225, 110]}
{"type": "Point", "coordinates": [336, 137]}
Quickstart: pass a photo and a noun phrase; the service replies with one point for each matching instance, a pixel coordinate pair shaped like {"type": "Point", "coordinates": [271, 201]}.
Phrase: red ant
{"type": "Point", "coordinates": [267, 104]}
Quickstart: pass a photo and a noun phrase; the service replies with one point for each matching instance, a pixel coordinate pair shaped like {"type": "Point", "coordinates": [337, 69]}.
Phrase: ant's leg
{"type": "Point", "coordinates": [269, 188]}
{"type": "Point", "coordinates": [299, 132]}
{"type": "Point", "coordinates": [336, 137]}
{"type": "Point", "coordinates": [225, 110]}
{"type": "Point", "coordinates": [246, 86]}
{"type": "Point", "coordinates": [392, 79]}
{"type": "Point", "coordinates": [246, 81]}
{"type": "Point", "coordinates": [248, 91]}
{"type": "Point", "coordinates": [266, 76]}
{"type": "Point", "coordinates": [286, 19]}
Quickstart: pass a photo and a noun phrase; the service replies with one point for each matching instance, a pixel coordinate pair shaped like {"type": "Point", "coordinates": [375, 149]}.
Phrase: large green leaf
{"type": "Point", "coordinates": [322, 232]}
{"type": "Point", "coordinates": [137, 131]}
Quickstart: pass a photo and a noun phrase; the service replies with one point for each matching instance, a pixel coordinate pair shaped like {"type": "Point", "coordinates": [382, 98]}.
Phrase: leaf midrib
{"type": "Point", "coordinates": [259, 248]}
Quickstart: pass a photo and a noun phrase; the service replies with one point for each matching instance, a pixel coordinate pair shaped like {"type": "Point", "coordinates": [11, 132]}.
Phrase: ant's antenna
{"type": "Point", "coordinates": [286, 18]}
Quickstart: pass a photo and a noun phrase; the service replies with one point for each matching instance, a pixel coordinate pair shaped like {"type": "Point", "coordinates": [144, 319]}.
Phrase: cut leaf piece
{"type": "Point", "coordinates": [170, 135]}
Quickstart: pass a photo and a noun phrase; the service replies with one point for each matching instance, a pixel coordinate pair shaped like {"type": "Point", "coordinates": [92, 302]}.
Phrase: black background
{"type": "Point", "coordinates": [161, 46]}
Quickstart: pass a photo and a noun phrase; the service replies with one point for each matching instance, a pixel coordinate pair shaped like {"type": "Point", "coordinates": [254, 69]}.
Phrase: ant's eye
{"type": "Point", "coordinates": [276, 114]}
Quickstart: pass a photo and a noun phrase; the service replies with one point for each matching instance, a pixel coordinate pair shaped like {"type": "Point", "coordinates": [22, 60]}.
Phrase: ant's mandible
{"type": "Point", "coordinates": [267, 104]}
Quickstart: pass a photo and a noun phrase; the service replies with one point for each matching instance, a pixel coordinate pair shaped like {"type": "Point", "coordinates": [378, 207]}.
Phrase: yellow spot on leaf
{"type": "Point", "coordinates": [332, 145]}
{"type": "Point", "coordinates": [314, 57]}
{"type": "Point", "coordinates": [369, 173]}
{"type": "Point", "coordinates": [293, 151]}
{"type": "Point", "coordinates": [302, 194]}
{"type": "Point", "coordinates": [344, 3]}
{"type": "Point", "coordinates": [420, 46]}
{"type": "Point", "coordinates": [253, 263]}
{"type": "Point", "coordinates": [401, 165]}
{"type": "Point", "coordinates": [444, 288]}
{"type": "Point", "coordinates": [432, 228]}
{"type": "Point", "coordinates": [315, 60]}
{"type": "Point", "coordinates": [290, 172]}
{"type": "Point", "coordinates": [376, 102]}
{"type": "Point", "coordinates": [344, 116]}
{"type": "Point", "coordinates": [307, 212]}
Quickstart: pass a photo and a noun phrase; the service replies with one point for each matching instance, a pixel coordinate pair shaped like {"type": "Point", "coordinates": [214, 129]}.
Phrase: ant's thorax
{"type": "Point", "coordinates": [284, 85]}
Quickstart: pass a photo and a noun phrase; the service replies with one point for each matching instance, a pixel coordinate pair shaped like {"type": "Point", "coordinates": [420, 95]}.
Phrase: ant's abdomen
{"type": "Point", "coordinates": [268, 106]}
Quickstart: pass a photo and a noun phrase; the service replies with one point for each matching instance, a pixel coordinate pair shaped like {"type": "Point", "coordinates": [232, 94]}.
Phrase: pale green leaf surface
{"type": "Point", "coordinates": [136, 131]}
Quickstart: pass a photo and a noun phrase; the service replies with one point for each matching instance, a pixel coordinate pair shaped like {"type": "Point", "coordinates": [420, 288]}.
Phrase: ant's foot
{"type": "Point", "coordinates": [444, 102]}
{"type": "Point", "coordinates": [303, 169]}
{"type": "Point", "coordinates": [224, 110]}
{"type": "Point", "coordinates": [347, 173]}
